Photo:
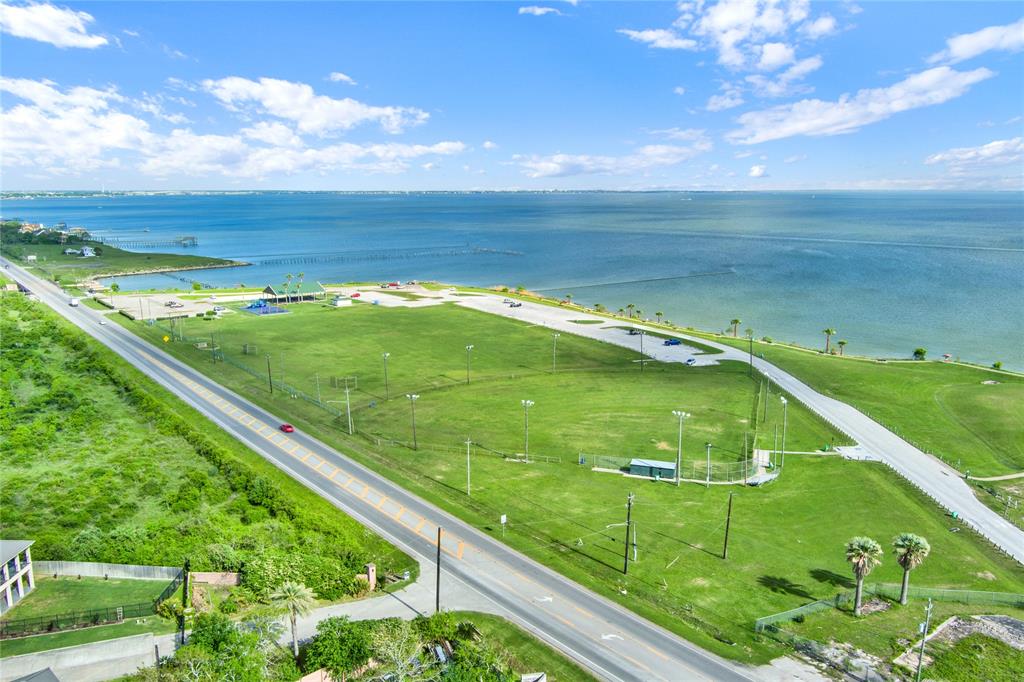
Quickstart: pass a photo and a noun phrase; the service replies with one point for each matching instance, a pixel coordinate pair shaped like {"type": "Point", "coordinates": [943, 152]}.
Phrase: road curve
{"type": "Point", "coordinates": [606, 638]}
{"type": "Point", "coordinates": [937, 480]}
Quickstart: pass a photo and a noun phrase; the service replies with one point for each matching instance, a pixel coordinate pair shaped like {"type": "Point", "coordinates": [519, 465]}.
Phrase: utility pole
{"type": "Point", "coordinates": [641, 350]}
{"type": "Point", "coordinates": [527, 404]}
{"type": "Point", "coordinates": [387, 388]}
{"type": "Point", "coordinates": [924, 638]}
{"type": "Point", "coordinates": [468, 487]}
{"type": "Point", "coordinates": [318, 400]}
{"type": "Point", "coordinates": [270, 377]}
{"type": "Point", "coordinates": [412, 403]}
{"type": "Point", "coordinates": [213, 357]}
{"type": "Point", "coordinates": [184, 597]}
{"type": "Point", "coordinates": [554, 352]}
{"type": "Point", "coordinates": [348, 410]}
{"type": "Point", "coordinates": [728, 520]}
{"type": "Point", "coordinates": [679, 447]}
{"type": "Point", "coordinates": [768, 392]}
{"type": "Point", "coordinates": [775, 447]}
{"type": "Point", "coordinates": [707, 484]}
{"type": "Point", "coordinates": [750, 338]}
{"type": "Point", "coordinates": [437, 585]}
{"type": "Point", "coordinates": [469, 351]}
{"type": "Point", "coordinates": [629, 522]}
{"type": "Point", "coordinates": [785, 415]}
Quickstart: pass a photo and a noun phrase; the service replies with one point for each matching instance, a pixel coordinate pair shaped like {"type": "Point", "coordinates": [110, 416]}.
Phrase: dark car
{"type": "Point", "coordinates": [287, 428]}
{"type": "Point", "coordinates": [673, 342]}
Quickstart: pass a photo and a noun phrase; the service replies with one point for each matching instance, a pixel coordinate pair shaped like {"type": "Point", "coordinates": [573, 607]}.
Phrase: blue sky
{"type": "Point", "coordinates": [739, 94]}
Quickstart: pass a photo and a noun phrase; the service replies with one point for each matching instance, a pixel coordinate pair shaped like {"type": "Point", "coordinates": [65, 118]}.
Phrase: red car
{"type": "Point", "coordinates": [356, 295]}
{"type": "Point", "coordinates": [287, 428]}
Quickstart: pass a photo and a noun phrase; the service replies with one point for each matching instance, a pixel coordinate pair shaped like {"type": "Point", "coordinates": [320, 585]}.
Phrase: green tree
{"type": "Point", "coordinates": [829, 332]}
{"type": "Point", "coordinates": [212, 631]}
{"type": "Point", "coordinates": [622, 312]}
{"type": "Point", "coordinates": [997, 365]}
{"type": "Point", "coordinates": [396, 645]}
{"type": "Point", "coordinates": [196, 286]}
{"type": "Point", "coordinates": [735, 323]}
{"type": "Point", "coordinates": [568, 298]}
{"type": "Point", "coordinates": [863, 554]}
{"type": "Point", "coordinates": [287, 288]}
{"type": "Point", "coordinates": [297, 600]}
{"type": "Point", "coordinates": [920, 353]}
{"type": "Point", "coordinates": [114, 288]}
{"type": "Point", "coordinates": [629, 308]}
{"type": "Point", "coordinates": [910, 551]}
{"type": "Point", "coordinates": [842, 345]}
{"type": "Point", "coordinates": [340, 647]}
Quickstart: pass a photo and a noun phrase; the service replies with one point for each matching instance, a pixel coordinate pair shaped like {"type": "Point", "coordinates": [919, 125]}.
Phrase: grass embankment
{"type": "Point", "coordinates": [526, 653]}
{"type": "Point", "coordinates": [976, 657]}
{"type": "Point", "coordinates": [786, 539]}
{"type": "Point", "coordinates": [136, 626]}
{"type": "Point", "coordinates": [101, 464]}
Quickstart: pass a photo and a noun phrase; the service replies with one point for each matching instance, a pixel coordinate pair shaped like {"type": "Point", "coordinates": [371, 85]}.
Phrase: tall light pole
{"type": "Point", "coordinates": [641, 349]}
{"type": "Point", "coordinates": [785, 415]}
{"type": "Point", "coordinates": [679, 448]}
{"type": "Point", "coordinates": [270, 376]}
{"type": "Point", "coordinates": [750, 356]}
{"type": "Point", "coordinates": [387, 388]}
{"type": "Point", "coordinates": [527, 404]}
{"type": "Point", "coordinates": [468, 487]}
{"type": "Point", "coordinates": [412, 403]}
{"type": "Point", "coordinates": [707, 484]}
{"type": "Point", "coordinates": [469, 352]}
{"type": "Point", "coordinates": [348, 409]}
{"type": "Point", "coordinates": [554, 352]}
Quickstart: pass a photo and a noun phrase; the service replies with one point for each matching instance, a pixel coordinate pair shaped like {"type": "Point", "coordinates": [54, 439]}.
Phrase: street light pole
{"type": "Point", "coordinates": [707, 483]}
{"type": "Point", "coordinates": [750, 338]}
{"type": "Point", "coordinates": [270, 377]}
{"type": "Point", "coordinates": [679, 448]}
{"type": "Point", "coordinates": [387, 388]}
{"type": "Point", "coordinates": [785, 416]}
{"type": "Point", "coordinates": [469, 351]}
{"type": "Point", "coordinates": [554, 352]}
{"type": "Point", "coordinates": [468, 487]}
{"type": "Point", "coordinates": [527, 404]}
{"type": "Point", "coordinates": [641, 350]}
{"type": "Point", "coordinates": [348, 411]}
{"type": "Point", "coordinates": [412, 402]}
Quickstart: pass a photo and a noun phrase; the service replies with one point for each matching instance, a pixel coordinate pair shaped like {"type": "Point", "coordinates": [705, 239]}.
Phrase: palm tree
{"type": "Point", "coordinates": [630, 309]}
{"type": "Point", "coordinates": [863, 554]}
{"type": "Point", "coordinates": [621, 312]}
{"type": "Point", "coordinates": [735, 325]}
{"type": "Point", "coordinates": [297, 600]}
{"type": "Point", "coordinates": [639, 313]}
{"type": "Point", "coordinates": [298, 286]}
{"type": "Point", "coordinates": [828, 332]}
{"type": "Point", "coordinates": [910, 551]}
{"type": "Point", "coordinates": [568, 298]}
{"type": "Point", "coordinates": [599, 307]}
{"type": "Point", "coordinates": [659, 315]}
{"type": "Point", "coordinates": [842, 345]}
{"type": "Point", "coordinates": [287, 285]}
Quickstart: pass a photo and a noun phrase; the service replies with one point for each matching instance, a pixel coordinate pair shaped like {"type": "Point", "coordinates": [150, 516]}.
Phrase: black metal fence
{"type": "Point", "coordinates": [82, 619]}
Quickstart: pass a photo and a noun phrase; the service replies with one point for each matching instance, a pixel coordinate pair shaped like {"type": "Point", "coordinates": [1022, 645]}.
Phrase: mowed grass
{"type": "Point", "coordinates": [135, 626]}
{"type": "Point", "coordinates": [944, 409]}
{"type": "Point", "coordinates": [53, 596]}
{"type": "Point", "coordinates": [787, 538]}
{"type": "Point", "coordinates": [977, 657]}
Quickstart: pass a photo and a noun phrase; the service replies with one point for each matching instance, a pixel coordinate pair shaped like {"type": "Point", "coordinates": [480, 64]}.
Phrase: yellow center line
{"type": "Point", "coordinates": [398, 516]}
{"type": "Point", "coordinates": [381, 503]}
{"type": "Point", "coordinates": [294, 448]}
{"type": "Point", "coordinates": [420, 524]}
{"type": "Point", "coordinates": [334, 473]}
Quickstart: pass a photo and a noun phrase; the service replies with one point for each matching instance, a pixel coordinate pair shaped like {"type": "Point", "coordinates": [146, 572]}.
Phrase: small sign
{"type": "Point", "coordinates": [166, 338]}
{"type": "Point", "coordinates": [504, 519]}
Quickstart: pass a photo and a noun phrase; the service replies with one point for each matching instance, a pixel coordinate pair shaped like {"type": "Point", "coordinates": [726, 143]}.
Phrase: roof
{"type": "Point", "coordinates": [45, 675]}
{"type": "Point", "coordinates": [652, 463]}
{"type": "Point", "coordinates": [294, 288]}
{"type": "Point", "coordinates": [11, 548]}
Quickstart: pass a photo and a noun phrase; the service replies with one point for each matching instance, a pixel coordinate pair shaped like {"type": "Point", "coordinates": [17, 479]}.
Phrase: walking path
{"type": "Point", "coordinates": [1004, 477]}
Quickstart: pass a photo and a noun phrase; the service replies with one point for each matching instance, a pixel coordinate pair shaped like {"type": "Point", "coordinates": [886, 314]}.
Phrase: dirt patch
{"type": "Point", "coordinates": [986, 575]}
{"type": "Point", "coordinates": [990, 382]}
{"type": "Point", "coordinates": [662, 445]}
{"type": "Point", "coordinates": [875, 605]}
{"type": "Point", "coordinates": [700, 582]}
{"type": "Point", "coordinates": [1008, 630]}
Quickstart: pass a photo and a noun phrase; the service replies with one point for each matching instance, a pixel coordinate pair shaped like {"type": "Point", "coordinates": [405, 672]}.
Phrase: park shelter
{"type": "Point", "coordinates": [652, 468]}
{"type": "Point", "coordinates": [294, 292]}
{"type": "Point", "coordinates": [16, 571]}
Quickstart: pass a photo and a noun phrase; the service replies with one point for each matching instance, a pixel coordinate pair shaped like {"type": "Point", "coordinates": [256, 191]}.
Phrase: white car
{"type": "Point", "coordinates": [690, 362]}
{"type": "Point", "coordinates": [103, 320]}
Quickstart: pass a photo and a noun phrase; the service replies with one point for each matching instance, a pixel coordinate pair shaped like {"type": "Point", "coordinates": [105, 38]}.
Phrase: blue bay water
{"type": "Point", "coordinates": [889, 270]}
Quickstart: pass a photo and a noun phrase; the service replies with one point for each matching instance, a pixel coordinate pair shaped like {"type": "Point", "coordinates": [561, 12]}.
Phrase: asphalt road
{"type": "Point", "coordinates": [608, 639]}
{"type": "Point", "coordinates": [929, 474]}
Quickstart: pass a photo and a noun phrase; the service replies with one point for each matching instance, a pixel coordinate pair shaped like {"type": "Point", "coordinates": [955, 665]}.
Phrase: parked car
{"type": "Point", "coordinates": [690, 362]}
{"type": "Point", "coordinates": [515, 305]}
{"type": "Point", "coordinates": [287, 428]}
{"type": "Point", "coordinates": [633, 332]}
{"type": "Point", "coordinates": [673, 342]}
{"type": "Point", "coordinates": [219, 308]}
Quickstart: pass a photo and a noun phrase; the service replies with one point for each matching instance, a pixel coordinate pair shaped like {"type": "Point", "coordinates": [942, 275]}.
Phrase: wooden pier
{"type": "Point", "coordinates": [151, 243]}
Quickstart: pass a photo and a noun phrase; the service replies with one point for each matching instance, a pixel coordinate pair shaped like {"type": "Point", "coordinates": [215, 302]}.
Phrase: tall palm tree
{"type": "Point", "coordinates": [298, 286]}
{"type": "Point", "coordinates": [568, 297]}
{"type": "Point", "coordinates": [630, 309]}
{"type": "Point", "coordinates": [622, 312]}
{"type": "Point", "coordinates": [659, 315]}
{"type": "Point", "coordinates": [599, 307]}
{"type": "Point", "coordinates": [863, 554]}
{"type": "Point", "coordinates": [736, 322]}
{"type": "Point", "coordinates": [297, 600]}
{"type": "Point", "coordinates": [910, 551]}
{"type": "Point", "coordinates": [639, 313]}
{"type": "Point", "coordinates": [842, 345]}
{"type": "Point", "coordinates": [828, 332]}
{"type": "Point", "coordinates": [287, 285]}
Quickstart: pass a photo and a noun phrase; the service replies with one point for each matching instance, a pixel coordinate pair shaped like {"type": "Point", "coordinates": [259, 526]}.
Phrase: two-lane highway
{"type": "Point", "coordinates": [601, 635]}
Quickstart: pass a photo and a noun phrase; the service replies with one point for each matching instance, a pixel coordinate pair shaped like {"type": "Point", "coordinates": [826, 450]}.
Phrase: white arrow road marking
{"type": "Point", "coordinates": [543, 599]}
{"type": "Point", "coordinates": [610, 637]}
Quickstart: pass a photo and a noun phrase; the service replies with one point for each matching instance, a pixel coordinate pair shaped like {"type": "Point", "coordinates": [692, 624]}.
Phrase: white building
{"type": "Point", "coordinates": [16, 572]}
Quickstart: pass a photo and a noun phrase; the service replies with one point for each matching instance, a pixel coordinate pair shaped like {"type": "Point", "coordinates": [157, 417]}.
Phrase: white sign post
{"type": "Point", "coordinates": [504, 520]}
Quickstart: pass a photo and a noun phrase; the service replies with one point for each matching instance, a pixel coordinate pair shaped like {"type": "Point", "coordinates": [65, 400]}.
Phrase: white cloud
{"type": "Point", "coordinates": [173, 53]}
{"type": "Point", "coordinates": [133, 34]}
{"type": "Point", "coordinates": [757, 171]}
{"type": "Point", "coordinates": [731, 97]}
{"type": "Point", "coordinates": [153, 105]}
{"type": "Point", "coordinates": [642, 159]}
{"type": "Point", "coordinates": [787, 82]}
{"type": "Point", "coordinates": [538, 11]}
{"type": "Point", "coordinates": [742, 155]}
{"type": "Point", "coordinates": [679, 90]}
{"type": "Point", "coordinates": [682, 134]}
{"type": "Point", "coordinates": [774, 55]}
{"type": "Point", "coordinates": [59, 26]}
{"type": "Point", "coordinates": [339, 77]}
{"type": "Point", "coordinates": [660, 38]}
{"type": "Point", "coordinates": [816, 117]}
{"type": "Point", "coordinates": [312, 113]}
{"type": "Point", "coordinates": [488, 145]}
{"type": "Point", "coordinates": [820, 27]}
{"type": "Point", "coordinates": [1009, 38]}
{"type": "Point", "coordinates": [795, 158]}
{"type": "Point", "coordinates": [738, 28]}
{"type": "Point", "coordinates": [996, 153]}
{"type": "Point", "coordinates": [429, 166]}
{"type": "Point", "coordinates": [273, 133]}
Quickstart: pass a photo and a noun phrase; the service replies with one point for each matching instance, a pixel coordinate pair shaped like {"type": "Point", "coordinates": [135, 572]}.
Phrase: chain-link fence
{"type": "Point", "coordinates": [692, 470]}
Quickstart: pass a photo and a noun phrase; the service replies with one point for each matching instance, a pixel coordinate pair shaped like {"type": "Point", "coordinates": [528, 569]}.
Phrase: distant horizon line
{"type": "Point", "coordinates": [15, 192]}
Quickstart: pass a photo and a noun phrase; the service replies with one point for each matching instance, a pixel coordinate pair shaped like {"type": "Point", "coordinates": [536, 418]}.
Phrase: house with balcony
{"type": "Point", "coordinates": [16, 572]}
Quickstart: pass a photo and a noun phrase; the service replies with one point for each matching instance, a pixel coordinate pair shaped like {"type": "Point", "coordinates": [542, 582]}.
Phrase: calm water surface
{"type": "Point", "coordinates": [891, 271]}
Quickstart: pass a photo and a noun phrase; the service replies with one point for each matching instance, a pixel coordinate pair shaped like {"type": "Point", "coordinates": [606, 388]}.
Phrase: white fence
{"type": "Point", "coordinates": [88, 569]}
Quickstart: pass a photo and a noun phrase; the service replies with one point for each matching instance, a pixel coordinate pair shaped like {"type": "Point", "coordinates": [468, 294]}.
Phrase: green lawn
{"type": "Point", "coordinates": [943, 408]}
{"type": "Point", "coordinates": [977, 657]}
{"type": "Point", "coordinates": [786, 539]}
{"type": "Point", "coordinates": [54, 596]}
{"type": "Point", "coordinates": [526, 653]}
{"type": "Point", "coordinates": [135, 626]}
{"type": "Point", "coordinates": [52, 262]}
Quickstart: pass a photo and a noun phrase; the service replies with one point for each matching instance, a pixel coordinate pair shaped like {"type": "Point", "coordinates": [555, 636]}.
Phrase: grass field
{"type": "Point", "coordinates": [945, 409]}
{"type": "Point", "coordinates": [977, 657]}
{"type": "Point", "coordinates": [69, 269]}
{"type": "Point", "coordinates": [787, 538]}
{"type": "Point", "coordinates": [54, 596]}
{"type": "Point", "coordinates": [136, 626]}
{"type": "Point", "coordinates": [526, 653]}
{"type": "Point", "coordinates": [100, 464]}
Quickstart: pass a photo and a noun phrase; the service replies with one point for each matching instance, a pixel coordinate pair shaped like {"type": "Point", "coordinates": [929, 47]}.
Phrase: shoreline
{"type": "Point", "coordinates": [155, 271]}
